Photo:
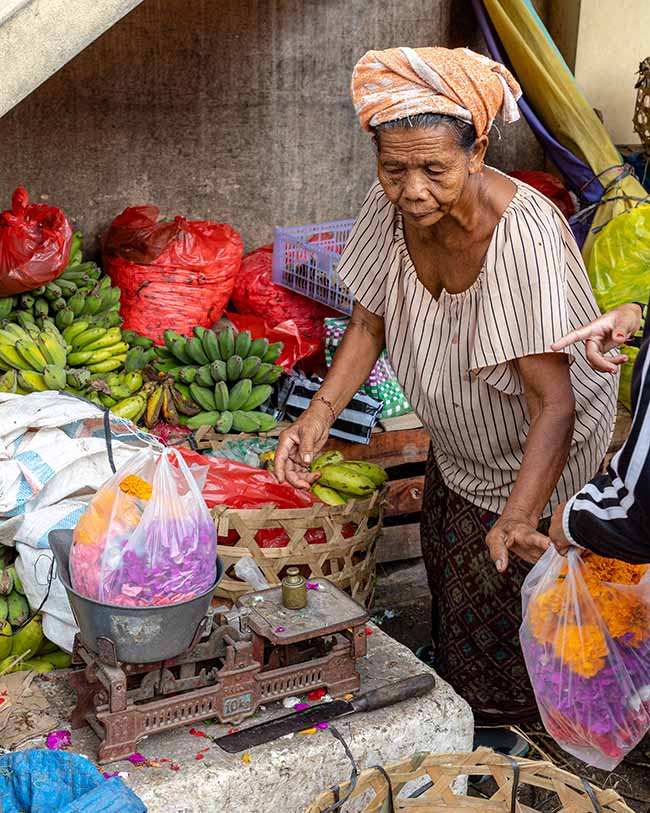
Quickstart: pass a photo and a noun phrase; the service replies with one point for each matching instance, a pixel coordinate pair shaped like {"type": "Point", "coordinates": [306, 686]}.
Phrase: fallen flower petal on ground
{"type": "Point", "coordinates": [56, 740]}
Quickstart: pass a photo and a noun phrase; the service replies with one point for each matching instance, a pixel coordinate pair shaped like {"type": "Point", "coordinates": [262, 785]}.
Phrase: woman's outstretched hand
{"type": "Point", "coordinates": [517, 534]}
{"type": "Point", "coordinates": [299, 444]}
{"type": "Point", "coordinates": [604, 334]}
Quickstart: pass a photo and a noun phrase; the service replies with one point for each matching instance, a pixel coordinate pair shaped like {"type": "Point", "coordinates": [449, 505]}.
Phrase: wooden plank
{"type": "Point", "coordinates": [405, 496]}
{"type": "Point", "coordinates": [387, 448]}
{"type": "Point", "coordinates": [399, 542]}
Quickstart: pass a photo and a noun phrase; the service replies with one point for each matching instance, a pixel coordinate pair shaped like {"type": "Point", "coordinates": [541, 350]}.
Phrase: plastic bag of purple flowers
{"type": "Point", "coordinates": [586, 641]}
{"type": "Point", "coordinates": [147, 537]}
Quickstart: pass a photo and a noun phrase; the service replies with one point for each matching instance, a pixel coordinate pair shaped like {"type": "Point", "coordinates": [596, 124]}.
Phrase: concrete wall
{"type": "Point", "coordinates": [612, 40]}
{"type": "Point", "coordinates": [236, 110]}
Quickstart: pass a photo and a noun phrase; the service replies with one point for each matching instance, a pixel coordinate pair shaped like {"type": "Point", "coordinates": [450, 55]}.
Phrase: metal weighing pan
{"type": "Point", "coordinates": [140, 634]}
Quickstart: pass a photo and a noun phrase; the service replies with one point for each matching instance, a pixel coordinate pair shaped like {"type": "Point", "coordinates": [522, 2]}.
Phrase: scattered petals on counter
{"type": "Point", "coordinates": [56, 740]}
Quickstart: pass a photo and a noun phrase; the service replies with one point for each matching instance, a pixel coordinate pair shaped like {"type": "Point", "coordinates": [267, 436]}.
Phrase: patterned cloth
{"type": "Point", "coordinates": [402, 82]}
{"type": "Point", "coordinates": [476, 612]}
{"type": "Point", "coordinates": [381, 383]}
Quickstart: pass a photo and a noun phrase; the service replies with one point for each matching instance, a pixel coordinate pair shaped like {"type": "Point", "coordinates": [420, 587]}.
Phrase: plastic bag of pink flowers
{"type": "Point", "coordinates": [147, 537]}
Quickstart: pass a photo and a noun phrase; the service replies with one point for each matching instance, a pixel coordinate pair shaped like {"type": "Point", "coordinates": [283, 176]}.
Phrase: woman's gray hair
{"type": "Point", "coordinates": [463, 131]}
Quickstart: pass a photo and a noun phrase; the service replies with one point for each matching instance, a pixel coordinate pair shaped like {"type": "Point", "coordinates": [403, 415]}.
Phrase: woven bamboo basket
{"type": "Point", "coordinates": [423, 784]}
{"type": "Point", "coordinates": [641, 118]}
{"type": "Point", "coordinates": [347, 561]}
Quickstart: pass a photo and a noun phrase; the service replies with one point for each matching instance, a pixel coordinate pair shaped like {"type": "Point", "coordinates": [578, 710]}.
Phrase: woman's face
{"type": "Point", "coordinates": [423, 170]}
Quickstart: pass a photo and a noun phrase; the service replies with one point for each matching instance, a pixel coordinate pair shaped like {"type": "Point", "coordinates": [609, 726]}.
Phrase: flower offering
{"type": "Point", "coordinates": [147, 537]}
{"type": "Point", "coordinates": [586, 641]}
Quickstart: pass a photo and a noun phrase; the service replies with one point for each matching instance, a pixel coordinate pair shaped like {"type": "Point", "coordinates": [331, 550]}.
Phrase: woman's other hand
{"type": "Point", "coordinates": [517, 534]}
{"type": "Point", "coordinates": [603, 334]}
{"type": "Point", "coordinates": [298, 445]}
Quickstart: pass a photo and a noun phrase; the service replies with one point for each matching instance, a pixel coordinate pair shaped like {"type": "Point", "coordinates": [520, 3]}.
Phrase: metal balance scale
{"type": "Point", "coordinates": [141, 674]}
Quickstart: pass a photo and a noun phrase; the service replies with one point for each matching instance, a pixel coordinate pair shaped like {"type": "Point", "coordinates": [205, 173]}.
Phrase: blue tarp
{"type": "Point", "coordinates": [39, 781]}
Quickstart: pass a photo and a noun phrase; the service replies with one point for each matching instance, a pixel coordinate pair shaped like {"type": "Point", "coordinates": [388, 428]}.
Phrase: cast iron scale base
{"type": "Point", "coordinates": [257, 653]}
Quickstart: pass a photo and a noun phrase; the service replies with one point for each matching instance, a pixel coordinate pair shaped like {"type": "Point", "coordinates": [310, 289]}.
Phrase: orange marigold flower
{"type": "Point", "coordinates": [582, 648]}
{"type": "Point", "coordinates": [136, 487]}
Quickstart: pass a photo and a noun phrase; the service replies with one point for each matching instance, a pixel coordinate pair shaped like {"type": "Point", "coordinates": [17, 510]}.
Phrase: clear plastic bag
{"type": "Point", "coordinates": [586, 641]}
{"type": "Point", "coordinates": [147, 537]}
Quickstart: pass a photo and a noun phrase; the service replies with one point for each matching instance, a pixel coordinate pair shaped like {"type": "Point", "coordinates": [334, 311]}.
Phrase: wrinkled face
{"type": "Point", "coordinates": [423, 170]}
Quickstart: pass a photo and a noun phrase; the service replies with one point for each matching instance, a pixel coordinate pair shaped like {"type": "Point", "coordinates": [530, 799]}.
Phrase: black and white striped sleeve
{"type": "Point", "coordinates": [611, 515]}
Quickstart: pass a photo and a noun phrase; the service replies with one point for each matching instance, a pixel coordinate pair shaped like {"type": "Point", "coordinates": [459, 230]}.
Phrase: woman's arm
{"type": "Point", "coordinates": [551, 409]}
{"type": "Point", "coordinates": [611, 515]}
{"type": "Point", "coordinates": [355, 357]}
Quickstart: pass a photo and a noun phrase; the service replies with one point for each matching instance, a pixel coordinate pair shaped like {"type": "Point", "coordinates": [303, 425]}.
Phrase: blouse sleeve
{"type": "Point", "coordinates": [524, 304]}
{"type": "Point", "coordinates": [365, 261]}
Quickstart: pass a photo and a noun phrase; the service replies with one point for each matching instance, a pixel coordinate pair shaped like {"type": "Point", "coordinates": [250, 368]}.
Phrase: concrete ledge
{"type": "Point", "coordinates": [286, 775]}
{"type": "Point", "coordinates": [37, 37]}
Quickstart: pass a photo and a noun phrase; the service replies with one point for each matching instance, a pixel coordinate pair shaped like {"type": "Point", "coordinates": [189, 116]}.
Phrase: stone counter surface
{"type": "Point", "coordinates": [284, 776]}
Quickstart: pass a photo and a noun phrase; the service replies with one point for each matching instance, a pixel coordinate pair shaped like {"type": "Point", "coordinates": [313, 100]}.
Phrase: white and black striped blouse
{"type": "Point", "coordinates": [453, 356]}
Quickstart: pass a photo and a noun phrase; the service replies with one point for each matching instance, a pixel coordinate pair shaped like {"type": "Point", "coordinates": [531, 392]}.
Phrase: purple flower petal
{"type": "Point", "coordinates": [56, 740]}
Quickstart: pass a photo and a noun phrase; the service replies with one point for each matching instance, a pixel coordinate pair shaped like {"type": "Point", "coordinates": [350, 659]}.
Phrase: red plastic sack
{"type": "Point", "coordinates": [241, 486]}
{"type": "Point", "coordinates": [255, 293]}
{"type": "Point", "coordinates": [34, 244]}
{"type": "Point", "coordinates": [296, 345]}
{"type": "Point", "coordinates": [550, 186]}
{"type": "Point", "coordinates": [173, 275]}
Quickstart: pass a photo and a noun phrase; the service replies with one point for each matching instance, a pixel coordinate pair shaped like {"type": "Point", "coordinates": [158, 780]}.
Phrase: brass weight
{"type": "Point", "coordinates": [294, 590]}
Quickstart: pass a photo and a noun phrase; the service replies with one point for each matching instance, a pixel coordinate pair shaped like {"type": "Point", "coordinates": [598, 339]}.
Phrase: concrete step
{"type": "Point", "coordinates": [37, 37]}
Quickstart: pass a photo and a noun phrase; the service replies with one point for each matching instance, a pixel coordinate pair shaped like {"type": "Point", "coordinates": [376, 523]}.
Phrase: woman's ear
{"type": "Point", "coordinates": [477, 156]}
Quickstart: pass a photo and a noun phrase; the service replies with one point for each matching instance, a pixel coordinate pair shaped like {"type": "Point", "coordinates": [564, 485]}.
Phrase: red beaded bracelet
{"type": "Point", "coordinates": [327, 403]}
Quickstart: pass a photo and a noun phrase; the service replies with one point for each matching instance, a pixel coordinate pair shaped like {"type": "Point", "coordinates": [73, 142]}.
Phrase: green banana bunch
{"type": "Point", "coordinates": [17, 609]}
{"type": "Point", "coordinates": [6, 306]}
{"type": "Point", "coordinates": [132, 407]}
{"type": "Point", "coordinates": [372, 471]}
{"type": "Point", "coordinates": [138, 357]}
{"type": "Point", "coordinates": [6, 582]}
{"type": "Point", "coordinates": [134, 339]}
{"type": "Point", "coordinates": [8, 381]}
{"type": "Point", "coordinates": [339, 478]}
{"type": "Point", "coordinates": [324, 459]}
{"type": "Point", "coordinates": [76, 248]}
{"type": "Point", "coordinates": [327, 495]}
{"type": "Point", "coordinates": [342, 480]}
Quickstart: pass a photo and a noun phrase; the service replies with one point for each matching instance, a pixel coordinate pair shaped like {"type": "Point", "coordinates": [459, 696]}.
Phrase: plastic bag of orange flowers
{"type": "Point", "coordinates": [586, 641]}
{"type": "Point", "coordinates": [147, 537]}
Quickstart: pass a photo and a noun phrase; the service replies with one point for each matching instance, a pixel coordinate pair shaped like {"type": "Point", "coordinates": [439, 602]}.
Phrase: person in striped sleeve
{"type": "Point", "coordinates": [467, 277]}
{"type": "Point", "coordinates": [610, 515]}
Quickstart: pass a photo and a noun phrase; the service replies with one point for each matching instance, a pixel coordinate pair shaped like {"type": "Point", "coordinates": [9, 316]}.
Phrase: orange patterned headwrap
{"type": "Point", "coordinates": [402, 82]}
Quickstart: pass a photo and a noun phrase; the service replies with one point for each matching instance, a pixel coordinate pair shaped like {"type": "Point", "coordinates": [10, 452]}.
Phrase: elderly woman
{"type": "Point", "coordinates": [467, 277]}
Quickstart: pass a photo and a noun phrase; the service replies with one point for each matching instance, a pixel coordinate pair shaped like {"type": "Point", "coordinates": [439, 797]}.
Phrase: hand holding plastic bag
{"type": "Point", "coordinates": [586, 641]}
{"type": "Point", "coordinates": [147, 537]}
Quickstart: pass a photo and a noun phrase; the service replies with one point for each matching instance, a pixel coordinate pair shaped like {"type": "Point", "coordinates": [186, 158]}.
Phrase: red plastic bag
{"type": "Point", "coordinates": [241, 486]}
{"type": "Point", "coordinates": [296, 345]}
{"type": "Point", "coordinates": [550, 186]}
{"type": "Point", "coordinates": [255, 293]}
{"type": "Point", "coordinates": [34, 244]}
{"type": "Point", "coordinates": [173, 275]}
